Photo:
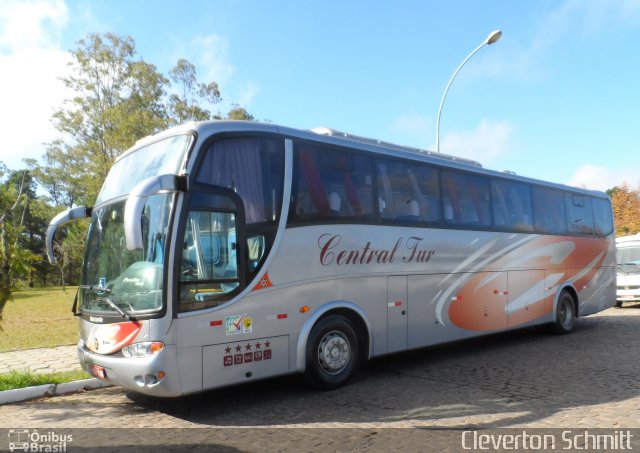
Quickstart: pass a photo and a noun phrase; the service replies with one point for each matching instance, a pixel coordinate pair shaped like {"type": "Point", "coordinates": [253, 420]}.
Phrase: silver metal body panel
{"type": "Point", "coordinates": [132, 373]}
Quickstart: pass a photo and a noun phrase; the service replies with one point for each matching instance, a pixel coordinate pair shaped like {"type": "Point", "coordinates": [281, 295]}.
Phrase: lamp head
{"type": "Point", "coordinates": [493, 37]}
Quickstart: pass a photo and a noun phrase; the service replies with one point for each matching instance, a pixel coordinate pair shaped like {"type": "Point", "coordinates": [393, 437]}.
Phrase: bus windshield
{"type": "Point", "coordinates": [132, 280]}
{"type": "Point", "coordinates": [162, 157]}
{"type": "Point", "coordinates": [629, 259]}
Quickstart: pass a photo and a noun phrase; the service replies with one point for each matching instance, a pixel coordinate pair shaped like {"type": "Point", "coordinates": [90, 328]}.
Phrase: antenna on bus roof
{"type": "Point", "coordinates": [374, 141]}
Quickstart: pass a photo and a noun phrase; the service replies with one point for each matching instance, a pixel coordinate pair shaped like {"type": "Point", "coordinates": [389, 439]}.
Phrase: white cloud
{"type": "Point", "coordinates": [31, 64]}
{"type": "Point", "coordinates": [209, 54]}
{"type": "Point", "coordinates": [484, 143]}
{"type": "Point", "coordinates": [591, 16]}
{"type": "Point", "coordinates": [247, 93]}
{"type": "Point", "coordinates": [570, 19]}
{"type": "Point", "coordinates": [413, 123]}
{"type": "Point", "coordinates": [28, 24]}
{"type": "Point", "coordinates": [601, 178]}
{"type": "Point", "coordinates": [212, 60]}
{"type": "Point", "coordinates": [414, 129]}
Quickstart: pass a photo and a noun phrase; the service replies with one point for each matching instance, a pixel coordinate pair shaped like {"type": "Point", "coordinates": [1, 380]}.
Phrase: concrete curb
{"type": "Point", "coordinates": [28, 393]}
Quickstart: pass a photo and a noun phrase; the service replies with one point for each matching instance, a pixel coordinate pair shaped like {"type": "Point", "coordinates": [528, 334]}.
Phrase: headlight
{"type": "Point", "coordinates": [142, 349]}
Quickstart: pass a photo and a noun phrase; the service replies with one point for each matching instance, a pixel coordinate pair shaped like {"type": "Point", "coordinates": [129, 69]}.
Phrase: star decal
{"type": "Point", "coordinates": [227, 350]}
{"type": "Point", "coordinates": [267, 344]}
{"type": "Point", "coordinates": [248, 347]}
{"type": "Point", "coordinates": [258, 344]}
{"type": "Point", "coordinates": [238, 348]}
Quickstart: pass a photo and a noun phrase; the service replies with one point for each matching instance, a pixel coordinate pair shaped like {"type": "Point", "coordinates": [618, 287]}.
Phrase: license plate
{"type": "Point", "coordinates": [98, 371]}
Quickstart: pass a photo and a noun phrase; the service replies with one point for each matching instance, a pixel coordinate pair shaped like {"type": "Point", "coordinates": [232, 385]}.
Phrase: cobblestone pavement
{"type": "Point", "coordinates": [525, 379]}
{"type": "Point", "coordinates": [40, 360]}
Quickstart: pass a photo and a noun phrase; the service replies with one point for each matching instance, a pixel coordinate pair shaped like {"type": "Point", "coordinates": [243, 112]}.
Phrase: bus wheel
{"type": "Point", "coordinates": [565, 314]}
{"type": "Point", "coordinates": [619, 303]}
{"type": "Point", "coordinates": [333, 353]}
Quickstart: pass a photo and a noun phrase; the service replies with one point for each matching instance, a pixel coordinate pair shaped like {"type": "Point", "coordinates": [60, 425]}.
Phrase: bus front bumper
{"type": "Point", "coordinates": [155, 375]}
{"type": "Point", "coordinates": [626, 294]}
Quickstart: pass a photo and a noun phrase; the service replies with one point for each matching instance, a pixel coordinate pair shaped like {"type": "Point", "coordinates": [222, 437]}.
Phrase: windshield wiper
{"type": "Point", "coordinates": [125, 314]}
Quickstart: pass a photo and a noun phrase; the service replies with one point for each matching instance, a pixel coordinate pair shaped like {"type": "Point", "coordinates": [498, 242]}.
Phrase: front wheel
{"type": "Point", "coordinates": [565, 314]}
{"type": "Point", "coordinates": [333, 353]}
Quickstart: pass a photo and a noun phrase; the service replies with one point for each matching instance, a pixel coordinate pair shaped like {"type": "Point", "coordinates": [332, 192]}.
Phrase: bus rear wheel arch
{"type": "Point", "coordinates": [333, 352]}
{"type": "Point", "coordinates": [566, 313]}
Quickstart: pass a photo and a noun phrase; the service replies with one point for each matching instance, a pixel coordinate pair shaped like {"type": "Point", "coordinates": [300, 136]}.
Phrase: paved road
{"type": "Point", "coordinates": [525, 379]}
{"type": "Point", "coordinates": [40, 360]}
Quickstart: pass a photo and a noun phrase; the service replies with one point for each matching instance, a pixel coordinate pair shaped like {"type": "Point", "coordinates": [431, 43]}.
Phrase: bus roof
{"type": "Point", "coordinates": [628, 239]}
{"type": "Point", "coordinates": [373, 141]}
{"type": "Point", "coordinates": [205, 129]}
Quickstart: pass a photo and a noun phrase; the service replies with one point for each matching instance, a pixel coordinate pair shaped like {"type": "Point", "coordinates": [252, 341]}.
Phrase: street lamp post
{"type": "Point", "coordinates": [492, 38]}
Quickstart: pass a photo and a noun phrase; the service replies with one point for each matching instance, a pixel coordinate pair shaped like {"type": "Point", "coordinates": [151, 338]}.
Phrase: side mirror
{"type": "Point", "coordinates": [62, 218]}
{"type": "Point", "coordinates": [137, 200]}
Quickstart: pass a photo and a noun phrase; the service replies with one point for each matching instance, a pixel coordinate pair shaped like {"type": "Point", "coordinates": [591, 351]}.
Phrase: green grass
{"type": "Point", "coordinates": [37, 318]}
{"type": "Point", "coordinates": [21, 379]}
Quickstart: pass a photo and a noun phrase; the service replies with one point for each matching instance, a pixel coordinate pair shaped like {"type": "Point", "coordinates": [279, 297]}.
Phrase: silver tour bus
{"type": "Point", "coordinates": [227, 252]}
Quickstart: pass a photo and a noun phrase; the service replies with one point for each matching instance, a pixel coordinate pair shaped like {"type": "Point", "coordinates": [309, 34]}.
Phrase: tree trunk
{"type": "Point", "coordinates": [62, 277]}
{"type": "Point", "coordinates": [5, 278]}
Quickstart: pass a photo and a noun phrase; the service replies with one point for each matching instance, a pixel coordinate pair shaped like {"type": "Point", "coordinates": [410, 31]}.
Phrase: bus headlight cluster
{"type": "Point", "coordinates": [142, 349]}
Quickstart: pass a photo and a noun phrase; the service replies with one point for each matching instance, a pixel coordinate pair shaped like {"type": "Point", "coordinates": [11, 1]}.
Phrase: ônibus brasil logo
{"type": "Point", "coordinates": [32, 440]}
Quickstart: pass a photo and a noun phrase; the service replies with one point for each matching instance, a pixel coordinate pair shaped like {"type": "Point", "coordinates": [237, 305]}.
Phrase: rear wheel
{"type": "Point", "coordinates": [565, 314]}
{"type": "Point", "coordinates": [333, 352]}
{"type": "Point", "coordinates": [619, 303]}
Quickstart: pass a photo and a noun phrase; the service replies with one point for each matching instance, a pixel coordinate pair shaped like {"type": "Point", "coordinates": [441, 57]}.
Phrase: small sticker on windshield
{"type": "Point", "coordinates": [102, 283]}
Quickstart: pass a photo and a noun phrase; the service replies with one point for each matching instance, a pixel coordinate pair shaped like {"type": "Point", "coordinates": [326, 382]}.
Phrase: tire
{"type": "Point", "coordinates": [619, 303]}
{"type": "Point", "coordinates": [565, 314]}
{"type": "Point", "coordinates": [333, 353]}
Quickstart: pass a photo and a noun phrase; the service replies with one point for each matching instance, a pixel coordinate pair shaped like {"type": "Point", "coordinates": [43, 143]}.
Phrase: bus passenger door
{"type": "Point", "coordinates": [397, 309]}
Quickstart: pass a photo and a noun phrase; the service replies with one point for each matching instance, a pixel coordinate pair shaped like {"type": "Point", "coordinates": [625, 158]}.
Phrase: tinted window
{"type": "Point", "coordinates": [253, 168]}
{"type": "Point", "coordinates": [209, 266]}
{"type": "Point", "coordinates": [512, 205]}
{"type": "Point", "coordinates": [408, 192]}
{"type": "Point", "coordinates": [579, 214]}
{"type": "Point", "coordinates": [548, 211]}
{"type": "Point", "coordinates": [465, 199]}
{"type": "Point", "coordinates": [331, 184]}
{"type": "Point", "coordinates": [603, 217]}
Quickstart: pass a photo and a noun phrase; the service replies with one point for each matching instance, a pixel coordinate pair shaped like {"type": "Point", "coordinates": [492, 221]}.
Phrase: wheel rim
{"type": "Point", "coordinates": [566, 314]}
{"type": "Point", "coordinates": [334, 352]}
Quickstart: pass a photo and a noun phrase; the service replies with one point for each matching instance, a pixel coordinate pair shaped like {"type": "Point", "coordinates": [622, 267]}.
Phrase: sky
{"type": "Point", "coordinates": [556, 98]}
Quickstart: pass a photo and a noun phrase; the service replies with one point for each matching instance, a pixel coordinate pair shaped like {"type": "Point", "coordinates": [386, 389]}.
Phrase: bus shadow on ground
{"type": "Point", "coordinates": [510, 379]}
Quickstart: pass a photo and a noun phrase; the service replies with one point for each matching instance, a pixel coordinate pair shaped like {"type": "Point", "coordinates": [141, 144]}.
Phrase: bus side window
{"type": "Point", "coordinates": [408, 192]}
{"type": "Point", "coordinates": [512, 205]}
{"type": "Point", "coordinates": [468, 196]}
{"type": "Point", "coordinates": [255, 248]}
{"type": "Point", "coordinates": [209, 267]}
{"type": "Point", "coordinates": [602, 216]}
{"type": "Point", "coordinates": [579, 214]}
{"type": "Point", "coordinates": [549, 211]}
{"type": "Point", "coordinates": [331, 184]}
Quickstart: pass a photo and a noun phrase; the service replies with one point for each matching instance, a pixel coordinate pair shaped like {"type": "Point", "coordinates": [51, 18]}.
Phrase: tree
{"type": "Point", "coordinates": [118, 99]}
{"type": "Point", "coordinates": [239, 113]}
{"type": "Point", "coordinates": [626, 209]}
{"type": "Point", "coordinates": [186, 106]}
{"type": "Point", "coordinates": [10, 200]}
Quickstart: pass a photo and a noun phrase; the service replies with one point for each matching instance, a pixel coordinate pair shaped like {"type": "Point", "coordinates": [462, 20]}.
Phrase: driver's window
{"type": "Point", "coordinates": [209, 264]}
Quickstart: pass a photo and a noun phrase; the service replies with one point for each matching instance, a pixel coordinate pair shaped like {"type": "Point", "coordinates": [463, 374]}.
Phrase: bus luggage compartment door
{"type": "Point", "coordinates": [397, 309]}
{"type": "Point", "coordinates": [244, 359]}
